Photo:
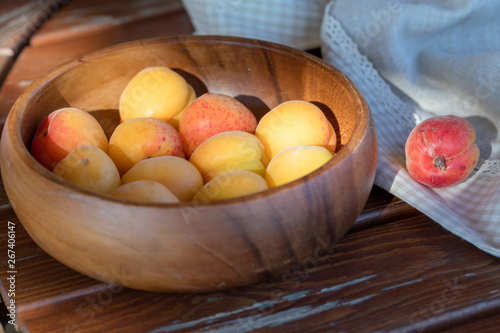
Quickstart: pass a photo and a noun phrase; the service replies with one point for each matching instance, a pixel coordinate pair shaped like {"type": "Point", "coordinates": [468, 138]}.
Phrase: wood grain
{"type": "Point", "coordinates": [44, 282]}
{"type": "Point", "coordinates": [84, 19]}
{"type": "Point", "coordinates": [4, 200]}
{"type": "Point", "coordinates": [382, 208]}
{"type": "Point", "coordinates": [20, 19]}
{"type": "Point", "coordinates": [405, 276]}
{"type": "Point", "coordinates": [487, 324]}
{"type": "Point", "coordinates": [6, 61]}
{"type": "Point", "coordinates": [35, 265]}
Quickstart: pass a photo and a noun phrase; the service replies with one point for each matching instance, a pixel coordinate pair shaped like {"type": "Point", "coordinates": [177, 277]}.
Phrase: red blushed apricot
{"type": "Point", "coordinates": [211, 114]}
{"type": "Point", "coordinates": [441, 151]}
{"type": "Point", "coordinates": [62, 131]}
{"type": "Point", "coordinates": [140, 138]}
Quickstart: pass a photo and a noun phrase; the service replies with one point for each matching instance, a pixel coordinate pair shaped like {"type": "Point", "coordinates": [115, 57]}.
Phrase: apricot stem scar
{"type": "Point", "coordinates": [439, 163]}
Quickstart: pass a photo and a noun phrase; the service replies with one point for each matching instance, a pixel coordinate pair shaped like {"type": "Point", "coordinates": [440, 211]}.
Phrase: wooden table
{"type": "Point", "coordinates": [395, 271]}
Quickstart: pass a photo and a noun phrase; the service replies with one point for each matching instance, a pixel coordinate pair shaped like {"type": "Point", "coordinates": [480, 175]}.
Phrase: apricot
{"type": "Point", "coordinates": [174, 121]}
{"type": "Point", "coordinates": [229, 151]}
{"type": "Point", "coordinates": [293, 123]}
{"type": "Point", "coordinates": [211, 114]}
{"type": "Point", "coordinates": [441, 151]}
{"type": "Point", "coordinates": [295, 162]}
{"type": "Point", "coordinates": [176, 173]}
{"type": "Point", "coordinates": [137, 139]}
{"type": "Point", "coordinates": [331, 145]}
{"type": "Point", "coordinates": [156, 92]}
{"type": "Point", "coordinates": [89, 167]}
{"type": "Point", "coordinates": [145, 191]}
{"type": "Point", "coordinates": [62, 131]}
{"type": "Point", "coordinates": [231, 185]}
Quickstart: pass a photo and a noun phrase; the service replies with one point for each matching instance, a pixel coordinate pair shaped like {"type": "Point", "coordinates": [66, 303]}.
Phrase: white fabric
{"type": "Point", "coordinates": [412, 60]}
{"type": "Point", "coordinates": [294, 23]}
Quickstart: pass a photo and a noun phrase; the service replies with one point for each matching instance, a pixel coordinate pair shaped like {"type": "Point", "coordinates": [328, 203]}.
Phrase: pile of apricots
{"type": "Point", "coordinates": [173, 146]}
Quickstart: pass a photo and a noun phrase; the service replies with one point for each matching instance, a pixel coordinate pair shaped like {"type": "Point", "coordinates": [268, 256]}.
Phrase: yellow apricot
{"type": "Point", "coordinates": [231, 184]}
{"type": "Point", "coordinates": [156, 92]}
{"type": "Point", "coordinates": [176, 173]}
{"type": "Point", "coordinates": [295, 162]}
{"type": "Point", "coordinates": [293, 123]}
{"type": "Point", "coordinates": [137, 139]}
{"type": "Point", "coordinates": [89, 167]}
{"type": "Point", "coordinates": [174, 121]}
{"type": "Point", "coordinates": [145, 191]}
{"type": "Point", "coordinates": [229, 151]}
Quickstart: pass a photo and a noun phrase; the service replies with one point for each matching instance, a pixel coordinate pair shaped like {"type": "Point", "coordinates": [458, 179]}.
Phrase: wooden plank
{"type": "Point", "coordinates": [4, 316]}
{"type": "Point", "coordinates": [6, 61]}
{"type": "Point", "coordinates": [39, 276]}
{"type": "Point", "coordinates": [84, 18]}
{"type": "Point", "coordinates": [485, 325]}
{"type": "Point", "coordinates": [405, 276]}
{"type": "Point", "coordinates": [5, 207]}
{"type": "Point", "coordinates": [44, 281]}
{"type": "Point", "coordinates": [382, 207]}
{"type": "Point", "coordinates": [20, 19]}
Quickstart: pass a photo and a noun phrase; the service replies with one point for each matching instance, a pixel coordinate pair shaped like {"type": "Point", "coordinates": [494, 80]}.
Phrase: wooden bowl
{"type": "Point", "coordinates": [193, 247]}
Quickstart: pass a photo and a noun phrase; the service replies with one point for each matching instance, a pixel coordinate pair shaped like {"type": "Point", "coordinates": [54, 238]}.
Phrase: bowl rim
{"type": "Point", "coordinates": [13, 130]}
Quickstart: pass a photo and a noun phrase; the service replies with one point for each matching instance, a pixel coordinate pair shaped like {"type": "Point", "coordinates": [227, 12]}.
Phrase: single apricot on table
{"type": "Point", "coordinates": [210, 114]}
{"type": "Point", "coordinates": [62, 131]}
{"type": "Point", "coordinates": [137, 139]}
{"type": "Point", "coordinates": [229, 151]}
{"type": "Point", "coordinates": [441, 151]}
{"type": "Point", "coordinates": [295, 162]}
{"type": "Point", "coordinates": [89, 167]}
{"type": "Point", "coordinates": [176, 173]}
{"type": "Point", "coordinates": [156, 92]}
{"type": "Point", "coordinates": [293, 123]}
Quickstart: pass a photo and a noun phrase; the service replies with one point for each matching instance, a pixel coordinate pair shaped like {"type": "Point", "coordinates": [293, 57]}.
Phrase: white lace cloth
{"type": "Point", "coordinates": [411, 60]}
